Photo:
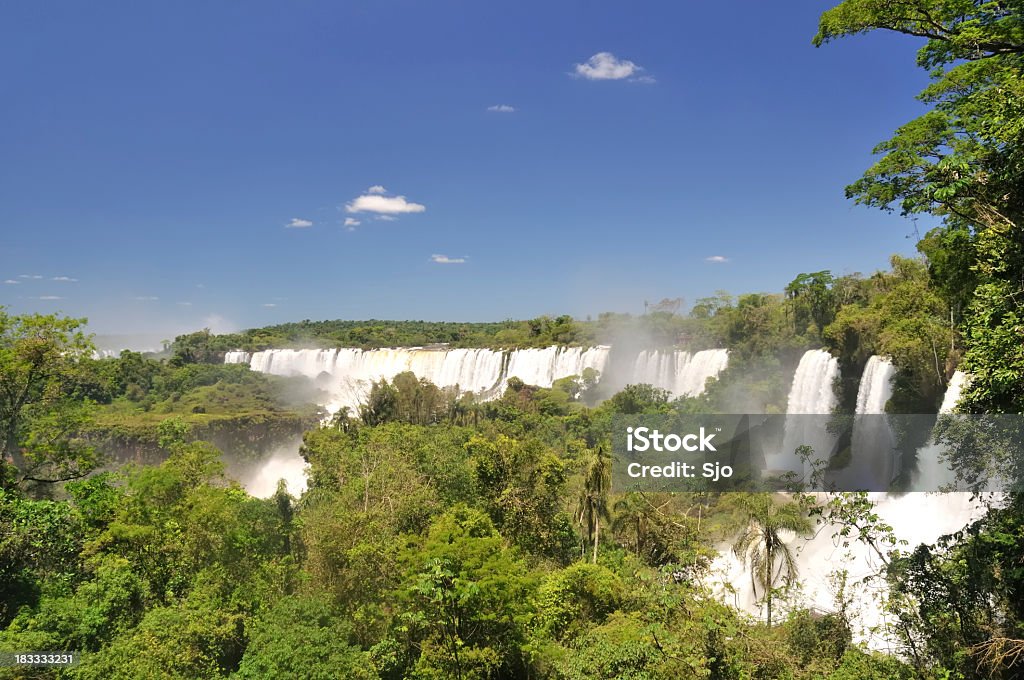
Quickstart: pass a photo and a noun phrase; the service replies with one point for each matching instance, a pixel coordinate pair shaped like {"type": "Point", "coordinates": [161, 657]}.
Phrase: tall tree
{"type": "Point", "coordinates": [962, 161]}
{"type": "Point", "coordinates": [592, 506]}
{"type": "Point", "coordinates": [40, 410]}
{"type": "Point", "coordinates": [761, 548]}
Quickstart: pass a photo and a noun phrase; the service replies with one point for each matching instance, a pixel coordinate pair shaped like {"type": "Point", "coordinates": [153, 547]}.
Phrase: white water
{"type": "Point", "coordinates": [874, 462]}
{"type": "Point", "coordinates": [681, 373]}
{"type": "Point", "coordinates": [812, 394]}
{"type": "Point", "coordinates": [932, 471]}
{"type": "Point", "coordinates": [953, 392]}
{"type": "Point", "coordinates": [348, 374]}
{"type": "Point", "coordinates": [915, 517]}
{"type": "Point", "coordinates": [875, 386]}
{"type": "Point", "coordinates": [284, 463]}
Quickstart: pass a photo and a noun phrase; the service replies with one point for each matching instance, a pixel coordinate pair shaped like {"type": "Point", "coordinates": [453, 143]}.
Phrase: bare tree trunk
{"type": "Point", "coordinates": [597, 534]}
{"type": "Point", "coordinates": [771, 579]}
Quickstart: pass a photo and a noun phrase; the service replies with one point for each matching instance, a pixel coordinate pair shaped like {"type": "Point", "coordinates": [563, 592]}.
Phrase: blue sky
{"type": "Point", "coordinates": [156, 153]}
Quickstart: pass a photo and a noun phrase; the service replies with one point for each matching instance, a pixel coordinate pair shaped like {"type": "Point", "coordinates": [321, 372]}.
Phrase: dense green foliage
{"type": "Point", "coordinates": [492, 548]}
{"type": "Point", "coordinates": [446, 538]}
{"type": "Point", "coordinates": [962, 161]}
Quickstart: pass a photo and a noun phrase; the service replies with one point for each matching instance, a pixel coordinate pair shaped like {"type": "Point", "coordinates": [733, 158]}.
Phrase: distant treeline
{"type": "Point", "coordinates": [543, 331]}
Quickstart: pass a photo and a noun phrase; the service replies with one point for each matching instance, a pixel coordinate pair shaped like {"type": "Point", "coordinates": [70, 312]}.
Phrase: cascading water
{"type": "Point", "coordinates": [874, 461]}
{"type": "Point", "coordinates": [812, 394]}
{"type": "Point", "coordinates": [681, 373]}
{"type": "Point", "coordinates": [932, 474]}
{"type": "Point", "coordinates": [875, 386]}
{"type": "Point", "coordinates": [347, 374]}
{"type": "Point", "coordinates": [914, 517]}
{"type": "Point", "coordinates": [953, 392]}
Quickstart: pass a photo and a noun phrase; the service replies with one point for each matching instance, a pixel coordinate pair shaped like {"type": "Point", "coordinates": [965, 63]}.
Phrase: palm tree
{"type": "Point", "coordinates": [771, 561]}
{"type": "Point", "coordinates": [593, 501]}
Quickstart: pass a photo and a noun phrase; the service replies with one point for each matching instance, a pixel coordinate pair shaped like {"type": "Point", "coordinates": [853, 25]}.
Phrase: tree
{"type": "Point", "coordinates": [39, 412]}
{"type": "Point", "coordinates": [592, 506]}
{"type": "Point", "coordinates": [302, 637]}
{"type": "Point", "coordinates": [811, 300]}
{"type": "Point", "coordinates": [761, 547]}
{"type": "Point", "coordinates": [640, 398]}
{"type": "Point", "coordinates": [904, 318]}
{"type": "Point", "coordinates": [465, 594]}
{"type": "Point", "coordinates": [962, 161]}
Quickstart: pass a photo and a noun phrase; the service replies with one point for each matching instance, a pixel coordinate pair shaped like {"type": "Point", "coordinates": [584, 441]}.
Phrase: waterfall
{"type": "Point", "coordinates": [812, 394]}
{"type": "Point", "coordinates": [681, 373]}
{"type": "Point", "coordinates": [812, 391]}
{"type": "Point", "coordinates": [347, 374]}
{"type": "Point", "coordinates": [915, 517]}
{"type": "Point", "coordinates": [694, 374]}
{"type": "Point", "coordinates": [874, 459]}
{"type": "Point", "coordinates": [875, 386]}
{"type": "Point", "coordinates": [932, 473]}
{"type": "Point", "coordinates": [953, 392]}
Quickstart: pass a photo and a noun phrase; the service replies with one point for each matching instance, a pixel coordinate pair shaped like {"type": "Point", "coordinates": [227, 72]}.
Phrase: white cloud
{"type": "Point", "coordinates": [606, 66]}
{"type": "Point", "coordinates": [352, 223]}
{"type": "Point", "coordinates": [376, 189]}
{"type": "Point", "coordinates": [385, 205]}
{"type": "Point", "coordinates": [444, 259]}
{"type": "Point", "coordinates": [50, 297]}
{"type": "Point", "coordinates": [184, 304]}
{"type": "Point", "coordinates": [270, 304]}
{"type": "Point", "coordinates": [716, 259]}
{"type": "Point", "coordinates": [298, 223]}
{"type": "Point", "coordinates": [502, 108]}
{"type": "Point", "coordinates": [63, 278]}
{"type": "Point", "coordinates": [34, 277]}
{"type": "Point", "coordinates": [146, 298]}
{"type": "Point", "coordinates": [385, 218]}
{"type": "Point", "coordinates": [13, 282]}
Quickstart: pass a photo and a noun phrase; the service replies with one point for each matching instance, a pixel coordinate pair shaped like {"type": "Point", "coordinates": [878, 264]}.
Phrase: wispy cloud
{"type": "Point", "coordinates": [376, 189]}
{"type": "Point", "coordinates": [374, 202]}
{"type": "Point", "coordinates": [501, 108]}
{"type": "Point", "coordinates": [49, 297]}
{"type": "Point", "coordinates": [270, 304]}
{"type": "Point", "coordinates": [444, 259]}
{"type": "Point", "coordinates": [13, 282]}
{"type": "Point", "coordinates": [351, 223]}
{"type": "Point", "coordinates": [63, 278]}
{"type": "Point", "coordinates": [145, 298]}
{"type": "Point", "coordinates": [298, 223]}
{"type": "Point", "coordinates": [184, 304]}
{"type": "Point", "coordinates": [606, 66]}
{"type": "Point", "coordinates": [716, 259]}
{"type": "Point", "coordinates": [34, 277]}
